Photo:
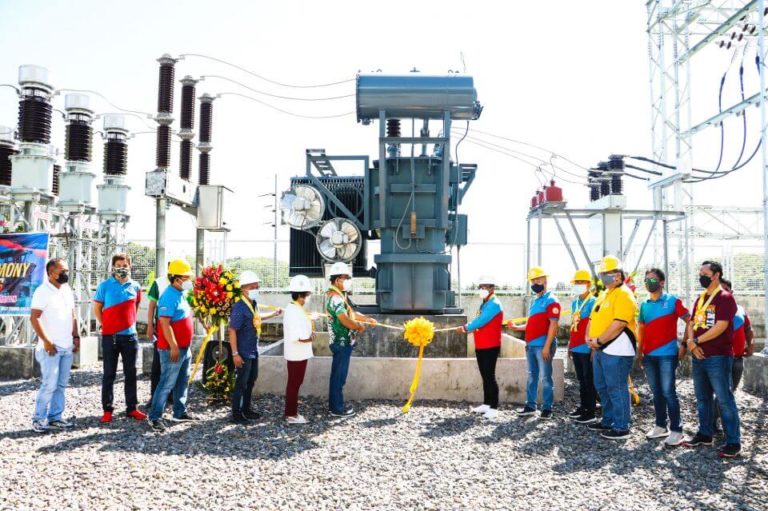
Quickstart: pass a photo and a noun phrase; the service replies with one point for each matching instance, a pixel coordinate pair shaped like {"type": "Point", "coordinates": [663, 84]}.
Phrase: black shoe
{"type": "Point", "coordinates": [615, 434]}
{"type": "Point", "coordinates": [730, 450]}
{"type": "Point", "coordinates": [238, 419]}
{"type": "Point", "coordinates": [251, 415]}
{"type": "Point", "coordinates": [525, 411]}
{"type": "Point", "coordinates": [718, 432]}
{"type": "Point", "coordinates": [349, 412]}
{"type": "Point", "coordinates": [545, 414]}
{"type": "Point", "coordinates": [598, 426]}
{"type": "Point", "coordinates": [586, 418]}
{"type": "Point", "coordinates": [184, 418]}
{"type": "Point", "coordinates": [578, 412]}
{"type": "Point", "coordinates": [697, 440]}
{"type": "Point", "coordinates": [157, 426]}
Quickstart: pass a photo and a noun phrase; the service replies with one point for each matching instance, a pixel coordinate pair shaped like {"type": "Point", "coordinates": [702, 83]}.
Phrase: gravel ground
{"type": "Point", "coordinates": [435, 457]}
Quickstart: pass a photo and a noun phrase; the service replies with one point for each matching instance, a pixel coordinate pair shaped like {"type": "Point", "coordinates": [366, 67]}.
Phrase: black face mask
{"type": "Point", "coordinates": [537, 288]}
{"type": "Point", "coordinates": [652, 288]}
{"type": "Point", "coordinates": [705, 281]}
{"type": "Point", "coordinates": [122, 273]}
{"type": "Point", "coordinates": [63, 277]}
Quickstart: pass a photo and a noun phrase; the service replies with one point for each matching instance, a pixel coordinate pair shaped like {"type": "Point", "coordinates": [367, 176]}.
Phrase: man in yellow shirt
{"type": "Point", "coordinates": [611, 336]}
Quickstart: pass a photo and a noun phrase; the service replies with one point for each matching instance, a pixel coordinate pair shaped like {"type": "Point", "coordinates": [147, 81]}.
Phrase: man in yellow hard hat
{"type": "Point", "coordinates": [173, 343]}
{"type": "Point", "coordinates": [541, 343]}
{"type": "Point", "coordinates": [581, 353]}
{"type": "Point", "coordinates": [611, 335]}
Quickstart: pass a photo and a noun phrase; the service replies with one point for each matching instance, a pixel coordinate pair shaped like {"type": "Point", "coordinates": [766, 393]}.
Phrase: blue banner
{"type": "Point", "coordinates": [22, 270]}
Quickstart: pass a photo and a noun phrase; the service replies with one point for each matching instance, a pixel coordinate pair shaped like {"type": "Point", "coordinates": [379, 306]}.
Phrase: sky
{"type": "Point", "coordinates": [568, 76]}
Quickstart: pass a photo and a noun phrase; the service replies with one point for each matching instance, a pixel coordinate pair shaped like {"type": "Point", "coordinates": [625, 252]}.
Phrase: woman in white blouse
{"type": "Point", "coordinates": [298, 336]}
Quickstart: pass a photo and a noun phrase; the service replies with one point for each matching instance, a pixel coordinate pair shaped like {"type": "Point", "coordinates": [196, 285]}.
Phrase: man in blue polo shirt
{"type": "Point", "coordinates": [115, 304]}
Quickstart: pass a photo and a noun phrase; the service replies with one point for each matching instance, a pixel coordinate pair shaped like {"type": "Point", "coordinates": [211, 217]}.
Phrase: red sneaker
{"type": "Point", "coordinates": [107, 417]}
{"type": "Point", "coordinates": [137, 415]}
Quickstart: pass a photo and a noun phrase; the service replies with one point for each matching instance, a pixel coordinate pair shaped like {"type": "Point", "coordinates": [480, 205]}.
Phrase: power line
{"type": "Point", "coordinates": [287, 112]}
{"type": "Point", "coordinates": [281, 84]}
{"type": "Point", "coordinates": [276, 96]}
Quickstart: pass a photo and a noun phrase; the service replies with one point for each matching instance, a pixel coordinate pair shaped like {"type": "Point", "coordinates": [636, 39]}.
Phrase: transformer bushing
{"type": "Point", "coordinates": [113, 194]}
{"type": "Point", "coordinates": [76, 181]}
{"type": "Point", "coordinates": [204, 146]}
{"type": "Point", "coordinates": [8, 148]}
{"type": "Point", "coordinates": [187, 126]}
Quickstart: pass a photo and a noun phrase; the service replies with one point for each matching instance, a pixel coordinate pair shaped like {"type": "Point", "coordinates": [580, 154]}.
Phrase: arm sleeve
{"type": "Point", "coordinates": [680, 309]}
{"type": "Point", "coordinates": [486, 315]}
{"type": "Point", "coordinates": [153, 292]}
{"type": "Point", "coordinates": [99, 296]}
{"type": "Point", "coordinates": [39, 300]}
{"type": "Point", "coordinates": [336, 305]}
{"type": "Point", "coordinates": [167, 305]}
{"type": "Point", "coordinates": [624, 308]}
{"type": "Point", "coordinates": [553, 311]}
{"type": "Point", "coordinates": [726, 309]}
{"type": "Point", "coordinates": [641, 315]}
{"type": "Point", "coordinates": [586, 312]}
{"type": "Point", "coordinates": [237, 318]}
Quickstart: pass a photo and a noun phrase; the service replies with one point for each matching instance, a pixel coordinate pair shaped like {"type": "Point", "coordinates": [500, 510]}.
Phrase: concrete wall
{"type": "Point", "coordinates": [755, 378]}
{"type": "Point", "coordinates": [390, 378]}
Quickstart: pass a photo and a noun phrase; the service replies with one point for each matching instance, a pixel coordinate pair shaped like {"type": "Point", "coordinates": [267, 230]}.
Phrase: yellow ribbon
{"type": "Point", "coordinates": [256, 316]}
{"type": "Point", "coordinates": [415, 381]}
{"type": "Point", "coordinates": [212, 330]}
{"type": "Point", "coordinates": [525, 318]}
{"type": "Point", "coordinates": [700, 319]}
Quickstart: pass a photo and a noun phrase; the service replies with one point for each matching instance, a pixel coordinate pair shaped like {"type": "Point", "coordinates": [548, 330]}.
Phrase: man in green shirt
{"type": "Point", "coordinates": [343, 325]}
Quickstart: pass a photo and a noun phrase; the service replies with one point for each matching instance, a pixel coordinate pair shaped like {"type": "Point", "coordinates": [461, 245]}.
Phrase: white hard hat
{"type": "Point", "coordinates": [249, 277]}
{"type": "Point", "coordinates": [300, 284]}
{"type": "Point", "coordinates": [487, 279]}
{"type": "Point", "coordinates": [340, 269]}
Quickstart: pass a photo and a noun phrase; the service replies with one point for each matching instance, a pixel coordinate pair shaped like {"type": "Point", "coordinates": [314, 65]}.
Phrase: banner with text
{"type": "Point", "coordinates": [22, 270]}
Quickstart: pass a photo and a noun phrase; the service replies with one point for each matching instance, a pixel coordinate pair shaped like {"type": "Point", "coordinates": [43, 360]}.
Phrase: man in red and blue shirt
{"type": "Point", "coordinates": [114, 305]}
{"type": "Point", "coordinates": [174, 338]}
{"type": "Point", "coordinates": [660, 353]}
{"type": "Point", "coordinates": [541, 344]}
{"type": "Point", "coordinates": [581, 353]}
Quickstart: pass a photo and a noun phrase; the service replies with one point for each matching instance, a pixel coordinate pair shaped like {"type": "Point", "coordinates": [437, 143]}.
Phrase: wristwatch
{"type": "Point", "coordinates": [235, 354]}
{"type": "Point", "coordinates": [696, 341]}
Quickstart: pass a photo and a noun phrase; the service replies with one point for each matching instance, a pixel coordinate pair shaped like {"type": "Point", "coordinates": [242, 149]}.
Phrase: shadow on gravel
{"type": "Point", "coordinates": [267, 438]}
{"type": "Point", "coordinates": [450, 426]}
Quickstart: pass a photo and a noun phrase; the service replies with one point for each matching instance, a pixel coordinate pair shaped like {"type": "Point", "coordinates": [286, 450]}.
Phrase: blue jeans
{"type": "Point", "coordinates": [660, 372]}
{"type": "Point", "coordinates": [713, 376]}
{"type": "Point", "coordinates": [612, 383]}
{"type": "Point", "coordinates": [339, 370]}
{"type": "Point", "coordinates": [245, 378]}
{"type": "Point", "coordinates": [173, 377]}
{"type": "Point", "coordinates": [54, 370]}
{"type": "Point", "coordinates": [537, 366]}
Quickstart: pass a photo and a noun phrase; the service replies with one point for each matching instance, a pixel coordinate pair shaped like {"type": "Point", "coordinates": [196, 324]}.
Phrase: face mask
{"type": "Point", "coordinates": [483, 293]}
{"type": "Point", "coordinates": [705, 280]}
{"type": "Point", "coordinates": [306, 300]}
{"type": "Point", "coordinates": [187, 285]}
{"type": "Point", "coordinates": [652, 288]}
{"type": "Point", "coordinates": [579, 289]}
{"type": "Point", "coordinates": [63, 277]}
{"type": "Point", "coordinates": [347, 286]}
{"type": "Point", "coordinates": [607, 279]}
{"type": "Point", "coordinates": [253, 294]}
{"type": "Point", "coordinates": [537, 288]}
{"type": "Point", "coordinates": [122, 273]}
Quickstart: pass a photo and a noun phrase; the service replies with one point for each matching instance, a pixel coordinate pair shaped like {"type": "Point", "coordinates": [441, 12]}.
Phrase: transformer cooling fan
{"type": "Point", "coordinates": [339, 239]}
{"type": "Point", "coordinates": [302, 207]}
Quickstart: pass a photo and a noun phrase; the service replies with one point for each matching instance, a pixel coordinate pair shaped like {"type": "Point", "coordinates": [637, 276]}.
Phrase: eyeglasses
{"type": "Point", "coordinates": [651, 281]}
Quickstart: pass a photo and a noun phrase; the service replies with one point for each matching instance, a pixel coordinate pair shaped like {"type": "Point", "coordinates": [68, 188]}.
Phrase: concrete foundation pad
{"type": "Point", "coordinates": [18, 363]}
{"type": "Point", "coordinates": [755, 378]}
{"type": "Point", "coordinates": [88, 355]}
{"type": "Point", "coordinates": [450, 379]}
{"type": "Point", "coordinates": [511, 347]}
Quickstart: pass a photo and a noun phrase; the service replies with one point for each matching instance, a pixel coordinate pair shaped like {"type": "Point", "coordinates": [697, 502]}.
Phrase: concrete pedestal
{"type": "Point", "coordinates": [18, 363]}
{"type": "Point", "coordinates": [755, 378]}
{"type": "Point", "coordinates": [451, 379]}
{"type": "Point", "coordinates": [88, 355]}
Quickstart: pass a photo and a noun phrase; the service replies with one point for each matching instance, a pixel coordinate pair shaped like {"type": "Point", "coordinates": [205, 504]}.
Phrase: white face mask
{"type": "Point", "coordinates": [187, 285]}
{"type": "Point", "coordinates": [483, 293]}
{"type": "Point", "coordinates": [306, 299]}
{"type": "Point", "coordinates": [347, 286]}
{"type": "Point", "coordinates": [253, 294]}
{"type": "Point", "coordinates": [579, 289]}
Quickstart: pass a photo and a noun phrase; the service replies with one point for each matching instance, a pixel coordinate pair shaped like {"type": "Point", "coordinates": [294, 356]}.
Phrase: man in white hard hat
{"type": "Point", "coordinates": [298, 335]}
{"type": "Point", "coordinates": [487, 332]}
{"type": "Point", "coordinates": [343, 325]}
{"type": "Point", "coordinates": [244, 341]}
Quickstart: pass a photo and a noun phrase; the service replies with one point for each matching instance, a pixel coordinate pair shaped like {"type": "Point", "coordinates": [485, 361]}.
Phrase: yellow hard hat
{"type": "Point", "coordinates": [536, 272]}
{"type": "Point", "coordinates": [180, 267]}
{"type": "Point", "coordinates": [610, 263]}
{"type": "Point", "coordinates": [582, 276]}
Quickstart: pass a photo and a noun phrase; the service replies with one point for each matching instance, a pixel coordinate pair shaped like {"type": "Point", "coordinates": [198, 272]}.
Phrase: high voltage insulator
{"type": "Point", "coordinates": [188, 103]}
{"type": "Point", "coordinates": [165, 84]}
{"type": "Point", "coordinates": [206, 118]}
{"type": "Point", "coordinates": [7, 149]}
{"type": "Point", "coordinates": [204, 168]}
{"type": "Point", "coordinates": [78, 133]}
{"type": "Point", "coordinates": [35, 119]}
{"type": "Point", "coordinates": [116, 146]}
{"type": "Point", "coordinates": [56, 180]}
{"type": "Point", "coordinates": [185, 166]}
{"type": "Point", "coordinates": [163, 155]}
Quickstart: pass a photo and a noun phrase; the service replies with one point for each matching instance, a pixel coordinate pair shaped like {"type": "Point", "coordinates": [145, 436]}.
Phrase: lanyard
{"type": "Point", "coordinates": [309, 318]}
{"type": "Point", "coordinates": [700, 319]}
{"type": "Point", "coordinates": [255, 312]}
{"type": "Point", "coordinates": [576, 317]}
{"type": "Point", "coordinates": [350, 311]}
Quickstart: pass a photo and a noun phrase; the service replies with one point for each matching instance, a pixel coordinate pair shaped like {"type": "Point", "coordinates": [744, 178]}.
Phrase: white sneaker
{"type": "Point", "coordinates": [674, 439]}
{"type": "Point", "coordinates": [480, 409]}
{"type": "Point", "coordinates": [40, 426]}
{"type": "Point", "coordinates": [491, 414]}
{"type": "Point", "coordinates": [657, 432]}
{"type": "Point", "coordinates": [299, 419]}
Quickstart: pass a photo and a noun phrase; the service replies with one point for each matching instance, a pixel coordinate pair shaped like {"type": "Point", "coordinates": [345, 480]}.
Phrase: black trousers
{"type": "Point", "coordinates": [587, 392]}
{"type": "Point", "coordinates": [113, 347]}
{"type": "Point", "coordinates": [154, 375]}
{"type": "Point", "coordinates": [486, 362]}
{"type": "Point", "coordinates": [245, 378]}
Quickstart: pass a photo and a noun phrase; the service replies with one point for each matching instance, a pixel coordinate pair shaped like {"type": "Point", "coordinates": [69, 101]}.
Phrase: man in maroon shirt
{"type": "Point", "coordinates": [710, 340]}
